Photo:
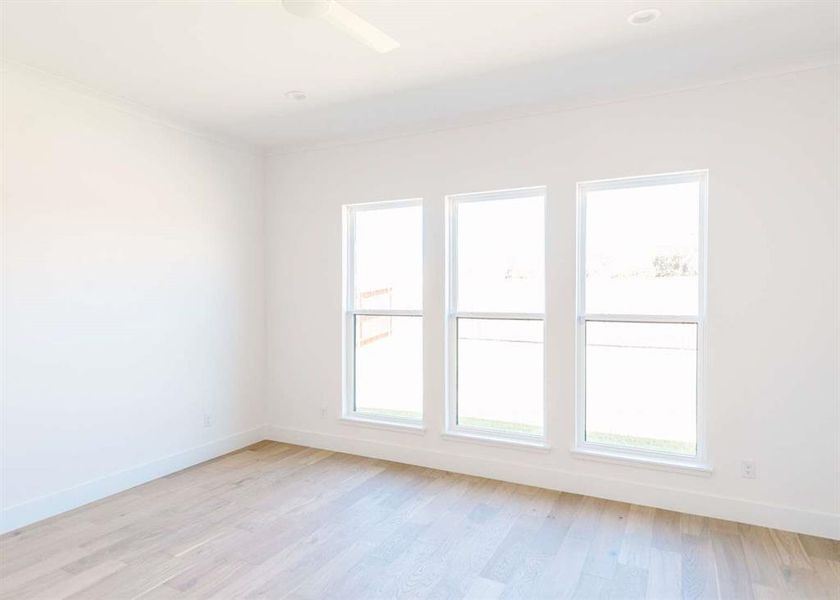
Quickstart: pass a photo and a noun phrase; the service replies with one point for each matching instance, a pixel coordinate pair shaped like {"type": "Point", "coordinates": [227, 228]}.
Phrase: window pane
{"type": "Point", "coordinates": [389, 366]}
{"type": "Point", "coordinates": [642, 250]}
{"type": "Point", "coordinates": [500, 375]}
{"type": "Point", "coordinates": [641, 385]}
{"type": "Point", "coordinates": [501, 254]}
{"type": "Point", "coordinates": [389, 258]}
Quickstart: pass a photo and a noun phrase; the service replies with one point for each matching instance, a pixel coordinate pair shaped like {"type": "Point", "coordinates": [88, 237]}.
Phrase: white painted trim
{"type": "Point", "coordinates": [623, 490]}
{"type": "Point", "coordinates": [59, 502]}
{"type": "Point", "coordinates": [278, 149]}
{"type": "Point", "coordinates": [502, 194]}
{"type": "Point", "coordinates": [502, 316]}
{"type": "Point", "coordinates": [386, 312]}
{"type": "Point", "coordinates": [463, 434]}
{"type": "Point", "coordinates": [384, 422]}
{"type": "Point", "coordinates": [590, 452]}
{"type": "Point", "coordinates": [606, 318]}
{"type": "Point", "coordinates": [384, 204]}
{"type": "Point", "coordinates": [126, 105]}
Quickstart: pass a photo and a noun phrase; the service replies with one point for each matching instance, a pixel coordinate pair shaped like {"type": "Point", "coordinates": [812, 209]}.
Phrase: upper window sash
{"type": "Point", "coordinates": [489, 232]}
{"type": "Point", "coordinates": [641, 267]}
{"type": "Point", "coordinates": [384, 275]}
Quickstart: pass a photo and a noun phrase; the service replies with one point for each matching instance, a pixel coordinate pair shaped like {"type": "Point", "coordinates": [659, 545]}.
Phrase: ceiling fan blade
{"type": "Point", "coordinates": [359, 29]}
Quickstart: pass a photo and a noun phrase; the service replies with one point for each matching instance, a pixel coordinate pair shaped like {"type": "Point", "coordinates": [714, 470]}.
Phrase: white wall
{"type": "Point", "coordinates": [133, 301]}
{"type": "Point", "coordinates": [770, 145]}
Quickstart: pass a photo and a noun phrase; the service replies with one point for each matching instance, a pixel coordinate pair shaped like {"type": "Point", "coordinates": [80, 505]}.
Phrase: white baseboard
{"type": "Point", "coordinates": [722, 507]}
{"type": "Point", "coordinates": [710, 505]}
{"type": "Point", "coordinates": [50, 505]}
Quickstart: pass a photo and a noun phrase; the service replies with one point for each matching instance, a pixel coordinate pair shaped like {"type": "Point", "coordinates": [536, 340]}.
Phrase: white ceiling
{"type": "Point", "coordinates": [224, 66]}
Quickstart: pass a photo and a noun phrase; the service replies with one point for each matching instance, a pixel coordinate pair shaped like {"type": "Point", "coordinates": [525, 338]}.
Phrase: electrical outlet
{"type": "Point", "coordinates": [748, 469]}
{"type": "Point", "coordinates": [208, 420]}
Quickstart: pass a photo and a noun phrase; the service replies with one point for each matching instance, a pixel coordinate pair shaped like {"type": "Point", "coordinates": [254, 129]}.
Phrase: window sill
{"type": "Point", "coordinates": [659, 464]}
{"type": "Point", "coordinates": [477, 438]}
{"type": "Point", "coordinates": [404, 427]}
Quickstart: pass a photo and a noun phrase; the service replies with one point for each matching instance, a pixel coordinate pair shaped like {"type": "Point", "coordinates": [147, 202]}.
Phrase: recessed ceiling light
{"type": "Point", "coordinates": [295, 95]}
{"type": "Point", "coordinates": [645, 16]}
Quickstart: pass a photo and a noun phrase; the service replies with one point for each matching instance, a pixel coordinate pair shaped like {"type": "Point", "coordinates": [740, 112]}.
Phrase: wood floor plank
{"type": "Point", "coordinates": [281, 521]}
{"type": "Point", "coordinates": [587, 516]}
{"type": "Point", "coordinates": [482, 534]}
{"type": "Point", "coordinates": [763, 561]}
{"type": "Point", "coordinates": [763, 592]}
{"type": "Point", "coordinates": [602, 560]}
{"type": "Point", "coordinates": [83, 580]}
{"type": "Point", "coordinates": [13, 580]}
{"type": "Point", "coordinates": [699, 577]}
{"type": "Point", "coordinates": [807, 584]}
{"type": "Point", "coordinates": [422, 565]}
{"type": "Point", "coordinates": [820, 547]}
{"type": "Point", "coordinates": [666, 530]}
{"type": "Point", "coordinates": [562, 575]}
{"type": "Point", "coordinates": [733, 577]}
{"type": "Point", "coordinates": [638, 537]}
{"type": "Point", "coordinates": [135, 579]}
{"type": "Point", "coordinates": [664, 575]}
{"type": "Point", "coordinates": [325, 582]}
{"type": "Point", "coordinates": [513, 550]}
{"type": "Point", "coordinates": [589, 587]}
{"type": "Point", "coordinates": [628, 583]}
{"type": "Point", "coordinates": [35, 588]}
{"type": "Point", "coordinates": [484, 589]}
{"type": "Point", "coordinates": [790, 549]}
{"type": "Point", "coordinates": [693, 524]}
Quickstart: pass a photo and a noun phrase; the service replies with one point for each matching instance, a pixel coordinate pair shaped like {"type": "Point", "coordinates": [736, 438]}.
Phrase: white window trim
{"type": "Point", "coordinates": [590, 450]}
{"type": "Point", "coordinates": [410, 426]}
{"type": "Point", "coordinates": [535, 444]}
{"type": "Point", "coordinates": [452, 430]}
{"type": "Point", "coordinates": [348, 316]}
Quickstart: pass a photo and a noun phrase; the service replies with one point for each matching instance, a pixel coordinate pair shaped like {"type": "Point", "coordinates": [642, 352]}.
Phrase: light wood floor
{"type": "Point", "coordinates": [282, 521]}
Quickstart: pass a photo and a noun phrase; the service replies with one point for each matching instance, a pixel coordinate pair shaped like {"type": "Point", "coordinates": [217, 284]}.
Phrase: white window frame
{"type": "Point", "coordinates": [451, 427]}
{"type": "Point", "coordinates": [700, 461]}
{"type": "Point", "coordinates": [350, 312]}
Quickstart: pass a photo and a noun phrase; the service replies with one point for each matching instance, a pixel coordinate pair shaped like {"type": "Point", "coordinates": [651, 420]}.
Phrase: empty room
{"type": "Point", "coordinates": [446, 299]}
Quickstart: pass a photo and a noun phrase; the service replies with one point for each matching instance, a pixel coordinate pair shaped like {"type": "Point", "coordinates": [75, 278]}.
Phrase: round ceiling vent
{"type": "Point", "coordinates": [643, 17]}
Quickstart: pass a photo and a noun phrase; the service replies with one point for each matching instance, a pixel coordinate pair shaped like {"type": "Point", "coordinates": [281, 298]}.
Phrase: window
{"type": "Point", "coordinates": [641, 297]}
{"type": "Point", "coordinates": [383, 333]}
{"type": "Point", "coordinates": [496, 314]}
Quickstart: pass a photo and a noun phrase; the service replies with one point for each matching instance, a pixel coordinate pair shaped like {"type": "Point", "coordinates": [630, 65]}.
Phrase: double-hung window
{"type": "Point", "coordinates": [495, 322]}
{"type": "Point", "coordinates": [383, 317]}
{"type": "Point", "coordinates": [641, 303]}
